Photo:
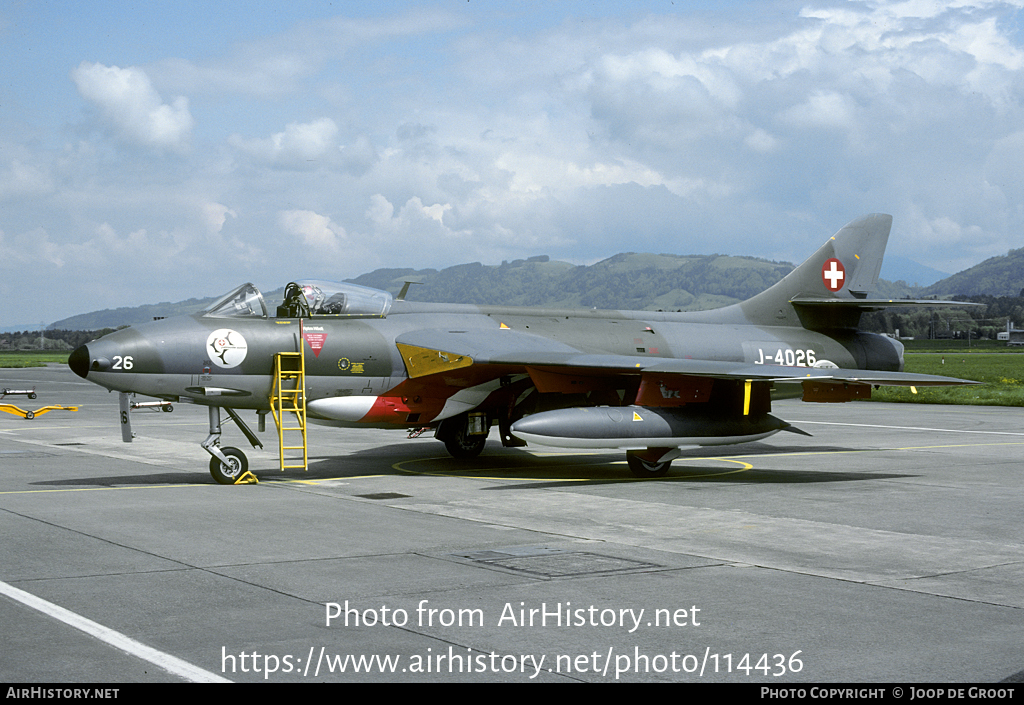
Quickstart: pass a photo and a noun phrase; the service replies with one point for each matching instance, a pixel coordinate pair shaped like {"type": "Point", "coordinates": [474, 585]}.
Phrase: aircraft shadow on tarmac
{"type": "Point", "coordinates": [563, 469]}
{"type": "Point", "coordinates": [737, 464]}
{"type": "Point", "coordinates": [113, 481]}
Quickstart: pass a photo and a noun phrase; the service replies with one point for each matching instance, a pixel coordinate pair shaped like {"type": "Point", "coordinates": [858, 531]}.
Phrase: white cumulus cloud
{"type": "Point", "coordinates": [130, 103]}
{"type": "Point", "coordinates": [300, 146]}
{"type": "Point", "coordinates": [215, 215]}
{"type": "Point", "coordinates": [19, 179]}
{"type": "Point", "coordinates": [316, 231]}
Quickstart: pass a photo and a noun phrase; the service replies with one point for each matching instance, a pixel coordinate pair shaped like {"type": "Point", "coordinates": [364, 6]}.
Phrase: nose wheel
{"type": "Point", "coordinates": [231, 468]}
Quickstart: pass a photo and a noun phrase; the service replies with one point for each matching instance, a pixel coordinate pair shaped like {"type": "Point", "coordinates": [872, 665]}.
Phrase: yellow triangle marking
{"type": "Point", "coordinates": [637, 417]}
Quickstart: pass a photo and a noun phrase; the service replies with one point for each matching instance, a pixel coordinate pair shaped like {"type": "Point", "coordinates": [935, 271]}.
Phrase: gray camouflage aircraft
{"type": "Point", "coordinates": [649, 383]}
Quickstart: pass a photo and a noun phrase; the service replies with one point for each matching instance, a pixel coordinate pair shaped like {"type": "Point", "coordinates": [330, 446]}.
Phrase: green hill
{"type": "Point", "coordinates": [997, 276]}
{"type": "Point", "coordinates": [130, 315]}
{"type": "Point", "coordinates": [625, 281]}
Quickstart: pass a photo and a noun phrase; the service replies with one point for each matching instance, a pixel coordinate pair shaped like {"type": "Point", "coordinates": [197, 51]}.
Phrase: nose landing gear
{"type": "Point", "coordinates": [229, 466]}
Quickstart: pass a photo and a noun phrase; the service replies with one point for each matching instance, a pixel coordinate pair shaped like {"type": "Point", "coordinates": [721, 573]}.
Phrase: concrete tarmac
{"type": "Point", "coordinates": [889, 547]}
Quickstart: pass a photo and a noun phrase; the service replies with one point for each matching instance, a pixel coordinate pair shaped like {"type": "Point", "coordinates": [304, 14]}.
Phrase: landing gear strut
{"type": "Point", "coordinates": [228, 466]}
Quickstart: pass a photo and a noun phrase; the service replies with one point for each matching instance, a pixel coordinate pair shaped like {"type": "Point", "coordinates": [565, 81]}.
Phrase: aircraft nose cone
{"type": "Point", "coordinates": [78, 361]}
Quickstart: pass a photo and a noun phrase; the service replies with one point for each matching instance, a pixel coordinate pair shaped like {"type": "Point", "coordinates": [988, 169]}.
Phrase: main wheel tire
{"type": "Point", "coordinates": [457, 439]}
{"type": "Point", "coordinates": [465, 446]}
{"type": "Point", "coordinates": [228, 473]}
{"type": "Point", "coordinates": [645, 468]}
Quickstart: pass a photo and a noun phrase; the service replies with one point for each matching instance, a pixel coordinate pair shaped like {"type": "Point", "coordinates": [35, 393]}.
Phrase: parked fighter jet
{"type": "Point", "coordinates": [649, 383]}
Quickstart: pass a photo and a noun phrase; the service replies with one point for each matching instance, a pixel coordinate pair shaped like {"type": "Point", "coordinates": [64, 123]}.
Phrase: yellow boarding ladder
{"type": "Point", "coordinates": [288, 396]}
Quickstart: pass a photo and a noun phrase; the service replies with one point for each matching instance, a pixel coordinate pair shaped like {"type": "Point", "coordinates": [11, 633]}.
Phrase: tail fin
{"type": "Point", "coordinates": [842, 271]}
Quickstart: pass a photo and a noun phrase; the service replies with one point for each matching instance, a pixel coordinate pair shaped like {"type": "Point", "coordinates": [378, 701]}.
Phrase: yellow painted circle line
{"type": "Point", "coordinates": [464, 473]}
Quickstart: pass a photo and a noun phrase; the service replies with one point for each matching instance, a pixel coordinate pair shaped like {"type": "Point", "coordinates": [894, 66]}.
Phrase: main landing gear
{"type": "Point", "coordinates": [229, 466]}
{"type": "Point", "coordinates": [464, 435]}
{"type": "Point", "coordinates": [642, 466]}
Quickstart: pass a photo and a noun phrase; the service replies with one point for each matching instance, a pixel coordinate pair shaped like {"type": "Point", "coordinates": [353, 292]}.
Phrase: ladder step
{"type": "Point", "coordinates": [289, 369]}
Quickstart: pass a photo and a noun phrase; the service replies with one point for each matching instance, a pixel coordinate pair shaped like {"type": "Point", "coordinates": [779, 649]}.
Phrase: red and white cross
{"type": "Point", "coordinates": [833, 274]}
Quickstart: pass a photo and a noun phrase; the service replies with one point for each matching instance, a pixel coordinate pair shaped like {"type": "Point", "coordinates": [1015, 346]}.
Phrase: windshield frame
{"type": "Point", "coordinates": [237, 303]}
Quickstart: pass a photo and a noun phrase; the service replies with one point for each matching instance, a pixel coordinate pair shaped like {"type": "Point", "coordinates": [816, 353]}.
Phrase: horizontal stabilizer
{"type": "Point", "coordinates": [866, 305]}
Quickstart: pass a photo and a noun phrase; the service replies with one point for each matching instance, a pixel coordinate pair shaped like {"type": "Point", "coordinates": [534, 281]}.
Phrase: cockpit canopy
{"type": "Point", "coordinates": [244, 302]}
{"type": "Point", "coordinates": [306, 298]}
{"type": "Point", "coordinates": [309, 298]}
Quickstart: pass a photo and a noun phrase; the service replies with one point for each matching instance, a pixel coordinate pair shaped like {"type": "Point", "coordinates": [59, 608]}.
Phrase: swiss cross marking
{"type": "Point", "coordinates": [833, 274]}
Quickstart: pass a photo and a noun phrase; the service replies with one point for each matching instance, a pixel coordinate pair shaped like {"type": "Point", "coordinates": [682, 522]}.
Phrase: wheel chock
{"type": "Point", "coordinates": [247, 478]}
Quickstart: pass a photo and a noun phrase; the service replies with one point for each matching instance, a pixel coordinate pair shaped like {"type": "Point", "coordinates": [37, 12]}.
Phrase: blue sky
{"type": "Point", "coordinates": [157, 151]}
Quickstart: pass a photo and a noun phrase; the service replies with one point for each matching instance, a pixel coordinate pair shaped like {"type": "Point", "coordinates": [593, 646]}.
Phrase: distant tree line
{"type": "Point", "coordinates": [50, 339]}
{"type": "Point", "coordinates": [984, 321]}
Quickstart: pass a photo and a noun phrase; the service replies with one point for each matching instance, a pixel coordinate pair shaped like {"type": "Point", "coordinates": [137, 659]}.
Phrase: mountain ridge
{"type": "Point", "coordinates": [626, 281]}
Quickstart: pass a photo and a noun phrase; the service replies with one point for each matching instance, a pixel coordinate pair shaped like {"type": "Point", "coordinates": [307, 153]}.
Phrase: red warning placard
{"type": "Point", "coordinates": [316, 341]}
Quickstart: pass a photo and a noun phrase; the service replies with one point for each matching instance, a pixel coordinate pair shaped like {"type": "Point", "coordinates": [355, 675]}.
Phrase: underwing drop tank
{"type": "Point", "coordinates": [634, 427]}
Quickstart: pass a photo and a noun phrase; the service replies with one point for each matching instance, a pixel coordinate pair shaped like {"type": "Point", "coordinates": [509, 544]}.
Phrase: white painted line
{"type": "Point", "coordinates": [171, 664]}
{"type": "Point", "coordinates": [910, 428]}
{"type": "Point", "coordinates": [98, 449]}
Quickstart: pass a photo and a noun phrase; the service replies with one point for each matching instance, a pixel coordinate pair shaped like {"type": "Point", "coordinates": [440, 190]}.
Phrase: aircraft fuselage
{"type": "Point", "coordinates": [229, 362]}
